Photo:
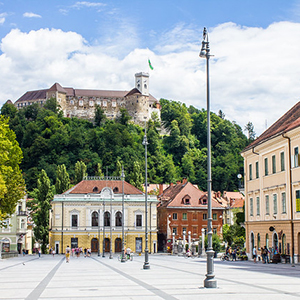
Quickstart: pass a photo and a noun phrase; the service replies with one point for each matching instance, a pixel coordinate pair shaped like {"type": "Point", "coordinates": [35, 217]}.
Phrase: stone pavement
{"type": "Point", "coordinates": [169, 277]}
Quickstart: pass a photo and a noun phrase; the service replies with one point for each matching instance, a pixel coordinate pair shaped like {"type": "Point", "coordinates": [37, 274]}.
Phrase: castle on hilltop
{"type": "Point", "coordinates": [81, 103]}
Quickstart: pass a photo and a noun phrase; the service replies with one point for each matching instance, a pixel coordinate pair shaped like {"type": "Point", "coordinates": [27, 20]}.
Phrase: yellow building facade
{"type": "Point", "coordinates": [272, 188]}
{"type": "Point", "coordinates": [90, 214]}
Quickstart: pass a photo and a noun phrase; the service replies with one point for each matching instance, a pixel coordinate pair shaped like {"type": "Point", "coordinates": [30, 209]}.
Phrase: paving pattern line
{"type": "Point", "coordinates": [146, 286]}
{"type": "Point", "coordinates": [20, 263]}
{"type": "Point", "coordinates": [36, 293]}
{"type": "Point", "coordinates": [237, 282]}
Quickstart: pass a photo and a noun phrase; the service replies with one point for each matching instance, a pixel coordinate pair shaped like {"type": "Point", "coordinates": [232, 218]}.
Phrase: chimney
{"type": "Point", "coordinates": [184, 180]}
{"type": "Point", "coordinates": [171, 184]}
{"type": "Point", "coordinates": [178, 181]}
{"type": "Point", "coordinates": [160, 189]}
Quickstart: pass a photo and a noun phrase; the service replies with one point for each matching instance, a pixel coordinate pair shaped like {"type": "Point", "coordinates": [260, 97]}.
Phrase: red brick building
{"type": "Point", "coordinates": [183, 207]}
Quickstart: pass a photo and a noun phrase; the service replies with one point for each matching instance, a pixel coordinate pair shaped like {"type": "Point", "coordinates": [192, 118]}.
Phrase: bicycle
{"type": "Point", "coordinates": [126, 256]}
{"type": "Point", "coordinates": [224, 257]}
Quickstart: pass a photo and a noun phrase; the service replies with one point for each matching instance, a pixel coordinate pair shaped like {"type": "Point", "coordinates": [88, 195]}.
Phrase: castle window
{"type": "Point", "coordinates": [80, 102]}
{"type": "Point", "coordinates": [91, 103]}
{"type": "Point", "coordinates": [95, 189]}
{"type": "Point", "coordinates": [59, 100]}
{"type": "Point", "coordinates": [116, 190]}
{"type": "Point", "coordinates": [138, 86]}
{"type": "Point", "coordinates": [53, 95]}
{"type": "Point", "coordinates": [104, 103]}
{"type": "Point", "coordinates": [98, 102]}
{"type": "Point", "coordinates": [114, 104]}
{"type": "Point", "coordinates": [145, 86]}
{"type": "Point", "coordinates": [72, 102]}
{"type": "Point", "coordinates": [137, 101]}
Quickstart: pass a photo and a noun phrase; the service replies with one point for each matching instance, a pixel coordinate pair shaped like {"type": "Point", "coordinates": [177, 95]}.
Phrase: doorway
{"type": "Point", "coordinates": [118, 245]}
{"type": "Point", "coordinates": [94, 245]}
{"type": "Point", "coordinates": [107, 244]}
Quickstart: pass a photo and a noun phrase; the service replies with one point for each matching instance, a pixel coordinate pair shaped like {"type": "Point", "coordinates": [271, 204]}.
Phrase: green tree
{"type": "Point", "coordinates": [43, 197]}
{"type": "Point", "coordinates": [99, 170]}
{"type": "Point", "coordinates": [250, 131]}
{"type": "Point", "coordinates": [62, 179]}
{"type": "Point", "coordinates": [12, 186]}
{"type": "Point", "coordinates": [118, 170]}
{"type": "Point", "coordinates": [124, 117]}
{"type": "Point", "coordinates": [100, 116]}
{"type": "Point", "coordinates": [9, 110]}
{"type": "Point", "coordinates": [80, 171]}
{"type": "Point", "coordinates": [137, 176]}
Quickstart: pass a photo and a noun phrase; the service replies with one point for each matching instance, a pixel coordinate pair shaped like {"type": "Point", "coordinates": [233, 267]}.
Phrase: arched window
{"type": "Point", "coordinates": [107, 218]}
{"type": "Point", "coordinates": [258, 241]}
{"type": "Point", "coordinates": [283, 244]}
{"type": "Point", "coordinates": [95, 189]}
{"type": "Point", "coordinates": [116, 190]}
{"type": "Point", "coordinates": [267, 240]}
{"type": "Point", "coordinates": [118, 219]}
{"type": "Point", "coordinates": [95, 218]}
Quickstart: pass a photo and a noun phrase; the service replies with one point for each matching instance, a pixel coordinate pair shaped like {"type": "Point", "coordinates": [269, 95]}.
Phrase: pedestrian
{"type": "Point", "coordinates": [234, 255]}
{"type": "Point", "coordinates": [24, 252]}
{"type": "Point", "coordinates": [254, 252]}
{"type": "Point", "coordinates": [68, 252]}
{"type": "Point", "coordinates": [40, 252]}
{"type": "Point", "coordinates": [53, 252]}
{"type": "Point", "coordinates": [85, 252]}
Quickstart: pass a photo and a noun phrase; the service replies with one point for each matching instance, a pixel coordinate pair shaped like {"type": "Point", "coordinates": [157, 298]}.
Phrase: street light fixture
{"type": "Point", "coordinates": [103, 253]}
{"type": "Point", "coordinates": [210, 281]}
{"type": "Point", "coordinates": [99, 232]}
{"type": "Point", "coordinates": [146, 263]}
{"type": "Point", "coordinates": [123, 216]}
{"type": "Point", "coordinates": [111, 220]}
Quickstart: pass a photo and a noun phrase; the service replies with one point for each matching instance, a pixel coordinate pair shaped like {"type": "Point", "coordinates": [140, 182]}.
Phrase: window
{"type": "Point", "coordinates": [174, 216]}
{"type": "Point", "coordinates": [184, 230]}
{"type": "Point", "coordinates": [74, 221]}
{"type": "Point", "coordinates": [275, 204]}
{"type": "Point", "coordinates": [257, 206]}
{"type": "Point", "coordinates": [195, 217]}
{"type": "Point", "coordinates": [298, 201]}
{"type": "Point", "coordinates": [114, 104]}
{"type": "Point", "coordinates": [91, 103]}
{"type": "Point", "coordinates": [118, 218]}
{"type": "Point", "coordinates": [138, 220]}
{"type": "Point", "coordinates": [184, 216]}
{"type": "Point", "coordinates": [283, 202]}
{"type": "Point", "coordinates": [273, 164]}
{"type": "Point", "coordinates": [266, 167]}
{"type": "Point", "coordinates": [186, 200]}
{"type": "Point", "coordinates": [204, 216]}
{"type": "Point", "coordinates": [251, 206]}
{"type": "Point", "coordinates": [296, 159]}
{"type": "Point", "coordinates": [256, 170]}
{"type": "Point", "coordinates": [80, 102]}
{"type": "Point", "coordinates": [282, 166]}
{"type": "Point", "coordinates": [74, 242]}
{"type": "Point", "coordinates": [174, 230]}
{"type": "Point", "coordinates": [72, 102]}
{"type": "Point", "coordinates": [214, 217]}
{"type": "Point", "coordinates": [95, 219]}
{"type": "Point", "coordinates": [267, 205]}
{"type": "Point", "coordinates": [107, 218]}
{"type": "Point", "coordinates": [104, 103]}
{"type": "Point", "coordinates": [116, 189]}
{"type": "Point", "coordinates": [250, 172]}
{"type": "Point", "coordinates": [214, 230]}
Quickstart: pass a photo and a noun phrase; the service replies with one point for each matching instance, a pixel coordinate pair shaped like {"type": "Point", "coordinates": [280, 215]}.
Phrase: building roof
{"type": "Point", "coordinates": [238, 203]}
{"type": "Point", "coordinates": [289, 121]}
{"type": "Point", "coordinates": [233, 195]}
{"type": "Point", "coordinates": [173, 196]}
{"type": "Point", "coordinates": [96, 186]}
{"type": "Point", "coordinates": [69, 91]}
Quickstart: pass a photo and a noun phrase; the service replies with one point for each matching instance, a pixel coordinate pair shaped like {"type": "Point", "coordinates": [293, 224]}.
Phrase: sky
{"type": "Point", "coordinates": [254, 73]}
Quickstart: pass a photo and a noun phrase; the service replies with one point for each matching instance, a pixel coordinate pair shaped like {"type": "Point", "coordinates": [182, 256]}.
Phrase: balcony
{"type": "Point", "coordinates": [21, 213]}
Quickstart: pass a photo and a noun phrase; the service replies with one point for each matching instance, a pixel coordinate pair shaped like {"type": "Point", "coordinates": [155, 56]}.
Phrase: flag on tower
{"type": "Point", "coordinates": [150, 66]}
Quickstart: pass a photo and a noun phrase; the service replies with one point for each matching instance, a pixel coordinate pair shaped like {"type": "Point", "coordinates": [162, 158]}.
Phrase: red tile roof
{"type": "Point", "coordinates": [289, 121]}
{"type": "Point", "coordinates": [238, 203]}
{"type": "Point", "coordinates": [95, 187]}
{"type": "Point", "coordinates": [173, 195]}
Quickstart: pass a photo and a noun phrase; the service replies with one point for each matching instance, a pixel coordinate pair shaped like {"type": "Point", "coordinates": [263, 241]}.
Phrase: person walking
{"type": "Point", "coordinates": [68, 252]}
{"type": "Point", "coordinates": [254, 252]}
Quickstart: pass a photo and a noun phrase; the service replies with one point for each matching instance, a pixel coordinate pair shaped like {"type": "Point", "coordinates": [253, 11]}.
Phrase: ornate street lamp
{"type": "Point", "coordinates": [99, 232]}
{"type": "Point", "coordinates": [123, 216]}
{"type": "Point", "coordinates": [103, 253]}
{"type": "Point", "coordinates": [146, 263]}
{"type": "Point", "coordinates": [210, 281]}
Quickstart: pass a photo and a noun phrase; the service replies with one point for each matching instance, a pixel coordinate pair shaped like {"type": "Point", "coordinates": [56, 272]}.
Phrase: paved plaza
{"type": "Point", "coordinates": [169, 277]}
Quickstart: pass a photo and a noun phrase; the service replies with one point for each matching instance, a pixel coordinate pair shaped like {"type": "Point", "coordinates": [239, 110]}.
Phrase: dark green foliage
{"type": "Point", "coordinates": [48, 140]}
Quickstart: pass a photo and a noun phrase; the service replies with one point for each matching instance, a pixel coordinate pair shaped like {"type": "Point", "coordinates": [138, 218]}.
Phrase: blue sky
{"type": "Point", "coordinates": [91, 44]}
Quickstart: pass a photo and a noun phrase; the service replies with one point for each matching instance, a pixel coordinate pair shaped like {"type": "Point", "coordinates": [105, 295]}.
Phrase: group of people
{"type": "Point", "coordinates": [77, 251]}
{"type": "Point", "coordinates": [265, 252]}
{"type": "Point", "coordinates": [232, 253]}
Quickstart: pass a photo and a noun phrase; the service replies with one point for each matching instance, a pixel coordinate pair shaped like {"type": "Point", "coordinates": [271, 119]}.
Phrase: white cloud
{"type": "Point", "coordinates": [31, 15]}
{"type": "Point", "coordinates": [80, 4]}
{"type": "Point", "coordinates": [2, 18]}
{"type": "Point", "coordinates": [254, 74]}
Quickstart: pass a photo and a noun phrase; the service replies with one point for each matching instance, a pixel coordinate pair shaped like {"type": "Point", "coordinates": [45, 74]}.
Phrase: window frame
{"type": "Point", "coordinates": [138, 219]}
{"type": "Point", "coordinates": [174, 216]}
{"type": "Point", "coordinates": [275, 204]}
{"type": "Point", "coordinates": [273, 164]}
{"type": "Point", "coordinates": [251, 206]}
{"type": "Point", "coordinates": [267, 201]}
{"type": "Point", "coordinates": [256, 169]}
{"type": "Point", "coordinates": [184, 216]}
{"type": "Point", "coordinates": [282, 162]}
{"type": "Point", "coordinates": [257, 206]}
{"type": "Point", "coordinates": [250, 171]}
{"type": "Point", "coordinates": [283, 202]}
{"type": "Point", "coordinates": [266, 166]}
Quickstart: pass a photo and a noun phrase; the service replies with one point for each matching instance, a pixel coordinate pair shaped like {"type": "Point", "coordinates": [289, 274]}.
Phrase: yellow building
{"type": "Point", "coordinates": [89, 215]}
{"type": "Point", "coordinates": [272, 187]}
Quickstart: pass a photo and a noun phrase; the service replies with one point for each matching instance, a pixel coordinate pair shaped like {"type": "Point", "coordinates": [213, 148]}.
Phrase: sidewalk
{"type": "Point", "coordinates": [169, 277]}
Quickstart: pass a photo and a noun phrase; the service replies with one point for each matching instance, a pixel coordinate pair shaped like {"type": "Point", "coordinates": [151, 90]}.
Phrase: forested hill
{"type": "Point", "coordinates": [47, 140]}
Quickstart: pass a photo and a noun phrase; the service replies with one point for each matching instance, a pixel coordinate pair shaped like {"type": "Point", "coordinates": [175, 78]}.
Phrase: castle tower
{"type": "Point", "coordinates": [142, 83]}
